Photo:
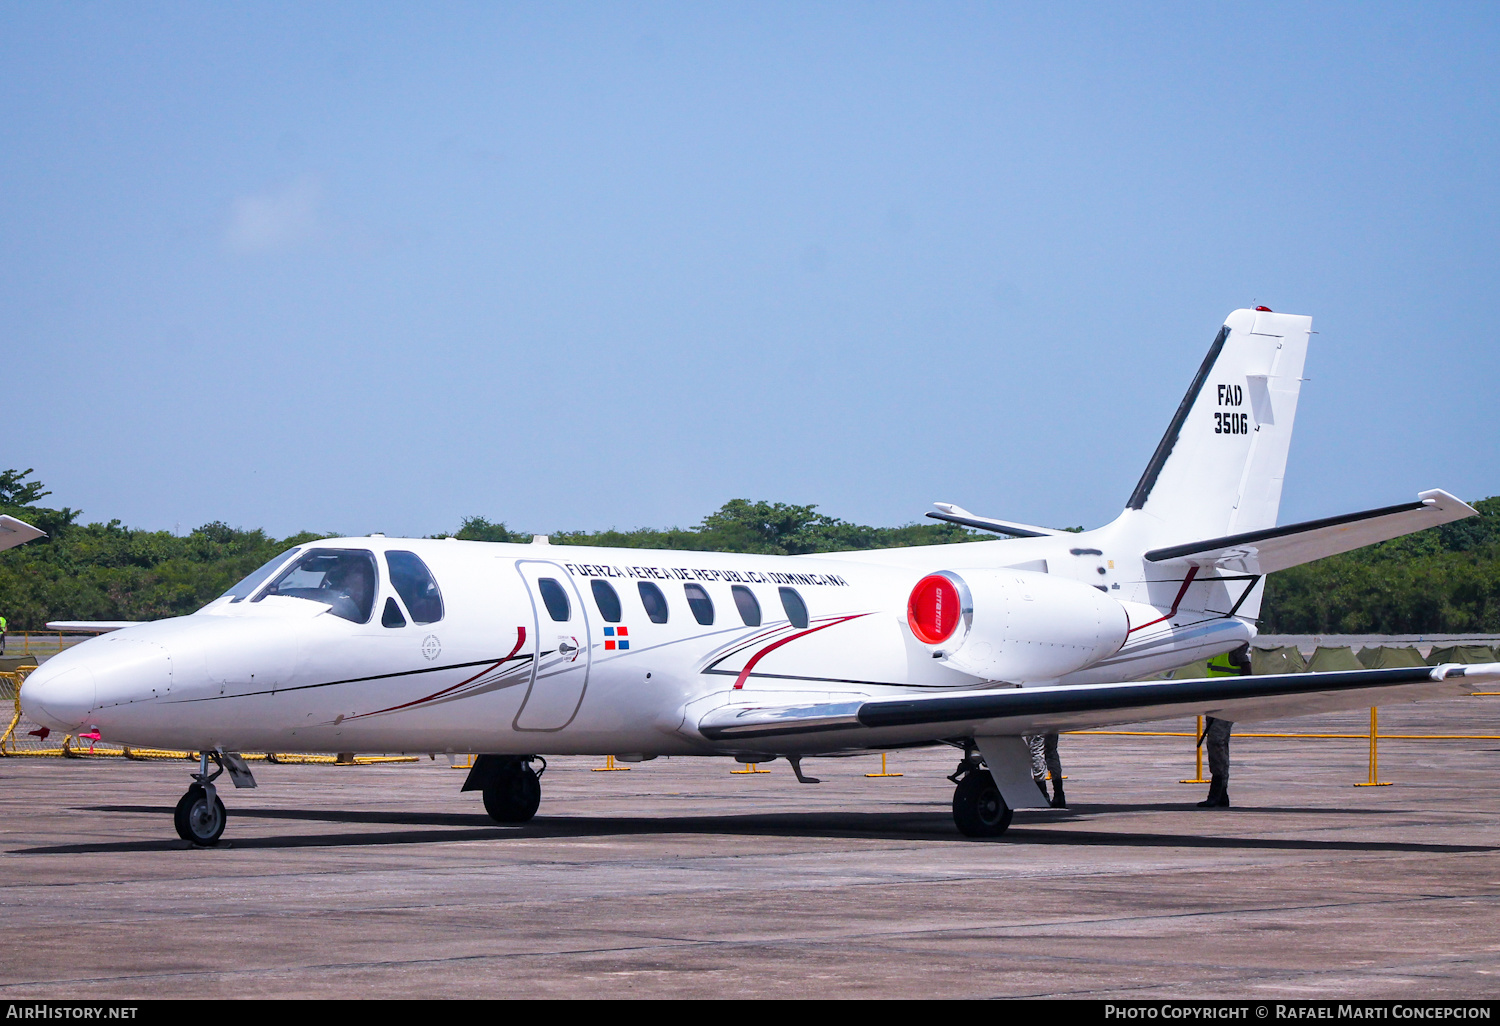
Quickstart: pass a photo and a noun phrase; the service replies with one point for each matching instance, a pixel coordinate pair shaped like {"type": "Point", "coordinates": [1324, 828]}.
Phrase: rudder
{"type": "Point", "coordinates": [1219, 468]}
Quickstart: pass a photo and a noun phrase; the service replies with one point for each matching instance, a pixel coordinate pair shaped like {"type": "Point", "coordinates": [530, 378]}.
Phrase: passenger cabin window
{"type": "Point", "coordinates": [416, 586]}
{"type": "Point", "coordinates": [796, 609]}
{"type": "Point", "coordinates": [242, 590]}
{"type": "Point", "coordinates": [341, 579]}
{"type": "Point", "coordinates": [555, 599]}
{"type": "Point", "coordinates": [699, 602]}
{"type": "Point", "coordinates": [746, 603]}
{"type": "Point", "coordinates": [607, 601]}
{"type": "Point", "coordinates": [654, 601]}
{"type": "Point", "coordinates": [391, 615]}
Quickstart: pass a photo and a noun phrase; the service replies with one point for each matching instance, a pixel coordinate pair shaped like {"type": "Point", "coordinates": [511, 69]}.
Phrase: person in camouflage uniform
{"type": "Point", "coordinates": [1216, 731]}
{"type": "Point", "coordinates": [1044, 760]}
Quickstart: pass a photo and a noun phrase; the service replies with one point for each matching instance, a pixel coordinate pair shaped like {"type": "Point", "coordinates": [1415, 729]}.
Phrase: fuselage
{"type": "Point", "coordinates": [581, 650]}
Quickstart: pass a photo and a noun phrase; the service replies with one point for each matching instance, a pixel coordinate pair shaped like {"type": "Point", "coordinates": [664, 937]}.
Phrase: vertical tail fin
{"type": "Point", "coordinates": [1218, 470]}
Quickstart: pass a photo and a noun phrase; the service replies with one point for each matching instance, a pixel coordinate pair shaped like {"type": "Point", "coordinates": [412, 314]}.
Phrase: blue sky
{"type": "Point", "coordinates": [375, 268]}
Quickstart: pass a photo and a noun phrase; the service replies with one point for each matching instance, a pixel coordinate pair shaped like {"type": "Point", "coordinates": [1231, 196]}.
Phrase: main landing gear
{"type": "Point", "coordinates": [510, 785]}
{"type": "Point", "coordinates": [978, 808]}
{"type": "Point", "coordinates": [200, 816]}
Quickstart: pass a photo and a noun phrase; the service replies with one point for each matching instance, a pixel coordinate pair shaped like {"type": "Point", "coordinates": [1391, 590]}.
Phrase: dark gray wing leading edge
{"type": "Point", "coordinates": [1044, 709]}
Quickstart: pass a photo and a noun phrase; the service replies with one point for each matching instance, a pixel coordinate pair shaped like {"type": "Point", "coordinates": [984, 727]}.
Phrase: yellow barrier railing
{"type": "Point", "coordinates": [35, 643]}
{"type": "Point", "coordinates": [1373, 736]}
{"type": "Point", "coordinates": [883, 772]}
{"type": "Point", "coordinates": [1198, 773]}
{"type": "Point", "coordinates": [70, 749]}
{"type": "Point", "coordinates": [10, 687]}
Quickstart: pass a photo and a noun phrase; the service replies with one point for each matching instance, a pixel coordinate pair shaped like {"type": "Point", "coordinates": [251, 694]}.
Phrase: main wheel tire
{"type": "Point", "coordinates": [978, 808]}
{"type": "Point", "coordinates": [198, 820]}
{"type": "Point", "coordinates": [514, 796]}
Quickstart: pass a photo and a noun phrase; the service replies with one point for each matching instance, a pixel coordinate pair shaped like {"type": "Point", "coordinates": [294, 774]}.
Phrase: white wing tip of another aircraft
{"type": "Point", "coordinates": [15, 532]}
{"type": "Point", "coordinates": [91, 626]}
{"type": "Point", "coordinates": [958, 515]}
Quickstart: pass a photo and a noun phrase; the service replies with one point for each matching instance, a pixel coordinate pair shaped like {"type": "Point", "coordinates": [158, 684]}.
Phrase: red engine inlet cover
{"type": "Point", "coordinates": [933, 609]}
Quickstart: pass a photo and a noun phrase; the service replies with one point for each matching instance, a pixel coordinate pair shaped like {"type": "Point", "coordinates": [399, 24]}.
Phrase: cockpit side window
{"type": "Point", "coordinates": [416, 586]}
{"type": "Point", "coordinates": [391, 616]}
{"type": "Point", "coordinates": [242, 590]}
{"type": "Point", "coordinates": [341, 579]}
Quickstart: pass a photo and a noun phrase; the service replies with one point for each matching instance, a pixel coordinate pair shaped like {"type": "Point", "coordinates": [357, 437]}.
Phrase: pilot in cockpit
{"type": "Point", "coordinates": [352, 581]}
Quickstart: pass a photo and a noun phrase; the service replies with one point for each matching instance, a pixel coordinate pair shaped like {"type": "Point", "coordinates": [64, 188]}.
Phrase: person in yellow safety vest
{"type": "Point", "coordinates": [2, 635]}
{"type": "Point", "coordinates": [1216, 731]}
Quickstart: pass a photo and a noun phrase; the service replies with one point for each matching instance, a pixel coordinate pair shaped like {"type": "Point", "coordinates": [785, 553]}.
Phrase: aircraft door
{"type": "Point", "coordinates": [561, 647]}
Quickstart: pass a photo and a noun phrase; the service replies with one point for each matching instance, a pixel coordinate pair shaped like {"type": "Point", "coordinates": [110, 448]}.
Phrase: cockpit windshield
{"type": "Point", "coordinates": [342, 579]}
{"type": "Point", "coordinates": [257, 577]}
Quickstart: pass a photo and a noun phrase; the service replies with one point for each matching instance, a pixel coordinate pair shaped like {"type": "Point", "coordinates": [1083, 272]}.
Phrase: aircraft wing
{"type": "Point", "coordinates": [1074, 707]}
{"type": "Point", "coordinates": [1276, 548]}
{"type": "Point", "coordinates": [15, 532]}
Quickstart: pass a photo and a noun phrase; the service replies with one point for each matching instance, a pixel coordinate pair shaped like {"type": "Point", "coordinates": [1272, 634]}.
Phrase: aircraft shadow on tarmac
{"type": "Point", "coordinates": [1044, 828]}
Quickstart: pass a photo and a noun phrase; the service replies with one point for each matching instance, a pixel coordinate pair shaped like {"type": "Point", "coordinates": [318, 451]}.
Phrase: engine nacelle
{"type": "Point", "coordinates": [1015, 625]}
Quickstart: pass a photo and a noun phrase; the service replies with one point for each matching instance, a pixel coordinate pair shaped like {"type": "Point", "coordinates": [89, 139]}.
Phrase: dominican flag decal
{"type": "Point", "coordinates": [616, 638]}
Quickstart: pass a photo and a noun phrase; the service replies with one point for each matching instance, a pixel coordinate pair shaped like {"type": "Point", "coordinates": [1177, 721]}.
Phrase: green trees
{"type": "Point", "coordinates": [480, 529]}
{"type": "Point", "coordinates": [773, 528]}
{"type": "Point", "coordinates": [1445, 580]}
{"type": "Point", "coordinates": [16, 491]}
{"type": "Point", "coordinates": [1442, 581]}
{"type": "Point", "coordinates": [110, 572]}
{"type": "Point", "coordinates": [19, 498]}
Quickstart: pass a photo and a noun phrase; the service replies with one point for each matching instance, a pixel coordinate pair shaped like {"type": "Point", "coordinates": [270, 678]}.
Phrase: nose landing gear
{"type": "Point", "coordinates": [200, 816]}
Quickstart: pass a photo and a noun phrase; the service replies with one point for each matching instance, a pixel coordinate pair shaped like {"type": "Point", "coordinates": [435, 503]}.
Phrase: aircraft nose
{"type": "Point", "coordinates": [59, 696]}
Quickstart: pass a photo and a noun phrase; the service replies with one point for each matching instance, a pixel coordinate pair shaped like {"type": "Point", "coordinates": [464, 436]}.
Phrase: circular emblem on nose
{"type": "Point", "coordinates": [431, 646]}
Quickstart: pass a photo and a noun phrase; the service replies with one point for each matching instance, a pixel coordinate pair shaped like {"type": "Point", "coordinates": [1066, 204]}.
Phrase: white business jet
{"type": "Point", "coordinates": [523, 651]}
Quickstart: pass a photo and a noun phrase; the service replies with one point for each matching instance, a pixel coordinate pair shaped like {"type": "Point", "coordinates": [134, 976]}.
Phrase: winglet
{"type": "Point", "coordinates": [1446, 501]}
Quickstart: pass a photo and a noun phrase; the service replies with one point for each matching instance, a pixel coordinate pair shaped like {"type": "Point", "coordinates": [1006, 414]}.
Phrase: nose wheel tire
{"type": "Point", "coordinates": [198, 820]}
{"type": "Point", "coordinates": [514, 796]}
{"type": "Point", "coordinates": [978, 809]}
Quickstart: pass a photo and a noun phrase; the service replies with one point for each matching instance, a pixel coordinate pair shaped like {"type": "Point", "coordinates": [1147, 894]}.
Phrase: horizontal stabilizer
{"type": "Point", "coordinates": [15, 532]}
{"type": "Point", "coordinates": [1276, 548]}
{"type": "Point", "coordinates": [91, 626]}
{"type": "Point", "coordinates": [1082, 706]}
{"type": "Point", "coordinates": [958, 515]}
